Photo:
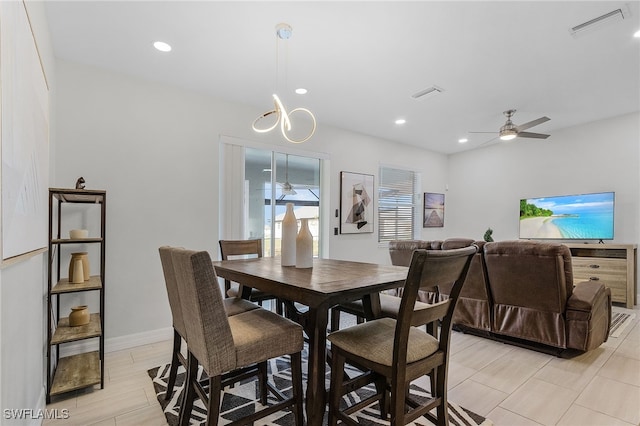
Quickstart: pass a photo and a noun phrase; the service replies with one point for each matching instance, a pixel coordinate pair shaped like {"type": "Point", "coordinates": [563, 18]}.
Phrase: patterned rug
{"type": "Point", "coordinates": [620, 321]}
{"type": "Point", "coordinates": [241, 400]}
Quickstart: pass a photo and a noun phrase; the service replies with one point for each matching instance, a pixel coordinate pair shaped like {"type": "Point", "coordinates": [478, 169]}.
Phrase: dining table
{"type": "Point", "coordinates": [327, 283]}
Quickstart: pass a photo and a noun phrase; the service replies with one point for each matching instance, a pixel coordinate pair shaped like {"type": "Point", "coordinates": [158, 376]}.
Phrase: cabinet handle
{"type": "Point", "coordinates": [594, 279]}
{"type": "Point", "coordinates": [594, 266]}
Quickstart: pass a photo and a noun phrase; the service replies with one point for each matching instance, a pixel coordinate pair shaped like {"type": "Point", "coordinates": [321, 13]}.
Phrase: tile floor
{"type": "Point", "coordinates": [509, 385]}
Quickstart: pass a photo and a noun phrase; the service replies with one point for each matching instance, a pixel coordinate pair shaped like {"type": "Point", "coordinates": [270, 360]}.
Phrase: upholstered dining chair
{"type": "Point", "coordinates": [233, 249]}
{"type": "Point", "coordinates": [393, 353]}
{"type": "Point", "coordinates": [225, 345]}
{"type": "Point", "coordinates": [232, 306]}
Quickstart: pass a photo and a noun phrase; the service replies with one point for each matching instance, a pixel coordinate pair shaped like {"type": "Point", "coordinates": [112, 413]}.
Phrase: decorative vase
{"type": "Point", "coordinates": [289, 231]}
{"type": "Point", "coordinates": [304, 246]}
{"type": "Point", "coordinates": [79, 316]}
{"type": "Point", "coordinates": [79, 274]}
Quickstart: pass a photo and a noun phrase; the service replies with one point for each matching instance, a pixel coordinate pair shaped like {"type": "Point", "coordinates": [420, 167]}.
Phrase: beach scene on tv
{"type": "Point", "coordinates": [584, 216]}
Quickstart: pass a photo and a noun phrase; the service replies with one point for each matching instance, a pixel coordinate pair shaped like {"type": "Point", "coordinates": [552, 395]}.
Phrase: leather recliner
{"type": "Point", "coordinates": [534, 297]}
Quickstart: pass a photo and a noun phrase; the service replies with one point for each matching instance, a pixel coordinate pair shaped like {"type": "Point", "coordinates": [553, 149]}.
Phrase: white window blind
{"type": "Point", "coordinates": [396, 204]}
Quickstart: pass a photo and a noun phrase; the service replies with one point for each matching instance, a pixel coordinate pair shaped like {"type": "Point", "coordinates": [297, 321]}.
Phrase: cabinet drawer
{"type": "Point", "coordinates": [611, 272]}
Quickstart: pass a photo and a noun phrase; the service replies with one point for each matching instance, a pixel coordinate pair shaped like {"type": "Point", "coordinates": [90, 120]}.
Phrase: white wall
{"type": "Point", "coordinates": [23, 290]}
{"type": "Point", "coordinates": [155, 150]}
{"type": "Point", "coordinates": [487, 184]}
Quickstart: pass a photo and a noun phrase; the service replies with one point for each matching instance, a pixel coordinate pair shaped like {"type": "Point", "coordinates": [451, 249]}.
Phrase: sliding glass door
{"type": "Point", "coordinates": [271, 180]}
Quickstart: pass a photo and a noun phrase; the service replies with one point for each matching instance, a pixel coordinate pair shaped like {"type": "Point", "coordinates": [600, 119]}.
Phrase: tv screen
{"type": "Point", "coordinates": [568, 217]}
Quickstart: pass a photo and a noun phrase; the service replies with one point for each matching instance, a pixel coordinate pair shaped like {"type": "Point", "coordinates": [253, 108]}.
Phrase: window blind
{"type": "Point", "coordinates": [396, 204]}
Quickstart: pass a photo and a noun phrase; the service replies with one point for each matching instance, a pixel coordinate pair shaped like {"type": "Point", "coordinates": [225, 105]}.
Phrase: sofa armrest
{"type": "Point", "coordinates": [586, 295]}
{"type": "Point", "coordinates": [588, 316]}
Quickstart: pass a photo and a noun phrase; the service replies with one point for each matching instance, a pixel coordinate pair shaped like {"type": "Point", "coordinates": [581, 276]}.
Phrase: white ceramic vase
{"type": "Point", "coordinates": [289, 232]}
{"type": "Point", "coordinates": [304, 246]}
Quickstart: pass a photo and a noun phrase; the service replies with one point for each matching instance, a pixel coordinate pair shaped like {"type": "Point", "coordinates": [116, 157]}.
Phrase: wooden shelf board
{"type": "Point", "coordinates": [76, 240]}
{"type": "Point", "coordinates": [64, 286]}
{"type": "Point", "coordinates": [78, 195]}
{"type": "Point", "coordinates": [76, 372]}
{"type": "Point", "coordinates": [65, 333]}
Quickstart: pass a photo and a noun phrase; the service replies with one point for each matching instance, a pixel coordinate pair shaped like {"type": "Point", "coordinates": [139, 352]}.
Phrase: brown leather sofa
{"type": "Point", "coordinates": [522, 292]}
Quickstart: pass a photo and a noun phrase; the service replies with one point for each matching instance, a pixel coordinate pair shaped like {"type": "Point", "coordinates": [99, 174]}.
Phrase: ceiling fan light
{"type": "Point", "coordinates": [508, 135]}
{"type": "Point", "coordinates": [287, 189]}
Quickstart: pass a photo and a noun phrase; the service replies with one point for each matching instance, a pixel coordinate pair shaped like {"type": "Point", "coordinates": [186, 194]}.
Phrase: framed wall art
{"type": "Point", "coordinates": [356, 203]}
{"type": "Point", "coordinates": [433, 210]}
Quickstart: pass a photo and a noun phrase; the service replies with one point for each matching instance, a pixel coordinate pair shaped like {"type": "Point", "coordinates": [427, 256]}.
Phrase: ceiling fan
{"type": "Point", "coordinates": [510, 131]}
{"type": "Point", "coordinates": [287, 188]}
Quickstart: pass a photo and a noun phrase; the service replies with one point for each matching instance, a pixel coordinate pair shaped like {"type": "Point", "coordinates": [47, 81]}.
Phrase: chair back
{"type": "Point", "coordinates": [230, 249]}
{"type": "Point", "coordinates": [429, 268]}
{"type": "Point", "coordinates": [208, 331]}
{"type": "Point", "coordinates": [172, 290]}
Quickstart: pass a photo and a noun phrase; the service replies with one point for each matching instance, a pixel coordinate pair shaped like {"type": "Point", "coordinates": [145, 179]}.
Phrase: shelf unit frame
{"type": "Point", "coordinates": [86, 369]}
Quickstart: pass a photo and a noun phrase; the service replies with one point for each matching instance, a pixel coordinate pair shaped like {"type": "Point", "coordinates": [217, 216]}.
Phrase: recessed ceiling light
{"type": "Point", "coordinates": [162, 46]}
{"type": "Point", "coordinates": [637, 34]}
{"type": "Point", "coordinates": [401, 121]}
{"type": "Point", "coordinates": [301, 91]}
{"type": "Point", "coordinates": [463, 140]}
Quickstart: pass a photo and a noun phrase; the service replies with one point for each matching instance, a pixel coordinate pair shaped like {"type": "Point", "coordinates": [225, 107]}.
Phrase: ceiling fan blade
{"type": "Point", "coordinates": [525, 126]}
{"type": "Point", "coordinates": [489, 141]}
{"type": "Point", "coordinates": [532, 135]}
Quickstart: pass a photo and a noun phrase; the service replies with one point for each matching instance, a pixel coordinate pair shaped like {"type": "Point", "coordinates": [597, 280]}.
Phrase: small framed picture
{"type": "Point", "coordinates": [433, 210]}
{"type": "Point", "coordinates": [356, 203]}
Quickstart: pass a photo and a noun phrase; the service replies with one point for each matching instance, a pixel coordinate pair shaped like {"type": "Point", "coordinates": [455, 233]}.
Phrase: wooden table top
{"type": "Point", "coordinates": [328, 279]}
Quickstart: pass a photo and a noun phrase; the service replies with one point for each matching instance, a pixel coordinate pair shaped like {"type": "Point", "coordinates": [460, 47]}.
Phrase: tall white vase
{"type": "Point", "coordinates": [304, 246]}
{"type": "Point", "coordinates": [289, 231]}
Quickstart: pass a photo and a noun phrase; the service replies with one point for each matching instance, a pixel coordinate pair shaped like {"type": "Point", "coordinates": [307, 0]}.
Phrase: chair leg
{"type": "Point", "coordinates": [189, 390]}
{"type": "Point", "coordinates": [441, 392]}
{"type": "Point", "coordinates": [397, 403]}
{"type": "Point", "coordinates": [262, 382]}
{"type": "Point", "coordinates": [213, 407]}
{"type": "Point", "coordinates": [279, 306]}
{"type": "Point", "coordinates": [335, 319]}
{"type": "Point", "coordinates": [335, 390]}
{"type": "Point", "coordinates": [175, 363]}
{"type": "Point", "coordinates": [296, 378]}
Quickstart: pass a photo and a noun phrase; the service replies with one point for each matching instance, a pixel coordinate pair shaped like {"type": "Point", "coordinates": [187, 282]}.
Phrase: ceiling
{"type": "Point", "coordinates": [362, 61]}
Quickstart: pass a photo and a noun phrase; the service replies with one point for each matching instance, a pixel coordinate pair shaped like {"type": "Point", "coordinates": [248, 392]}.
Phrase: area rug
{"type": "Point", "coordinates": [240, 400]}
{"type": "Point", "coordinates": [620, 321]}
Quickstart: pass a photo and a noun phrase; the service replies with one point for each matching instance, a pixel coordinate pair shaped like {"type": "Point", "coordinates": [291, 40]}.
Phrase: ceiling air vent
{"type": "Point", "coordinates": [607, 18]}
{"type": "Point", "coordinates": [429, 91]}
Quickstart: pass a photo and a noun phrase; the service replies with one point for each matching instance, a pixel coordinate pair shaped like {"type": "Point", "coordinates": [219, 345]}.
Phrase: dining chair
{"type": "Point", "coordinates": [234, 249]}
{"type": "Point", "coordinates": [232, 306]}
{"type": "Point", "coordinates": [229, 348]}
{"type": "Point", "coordinates": [393, 352]}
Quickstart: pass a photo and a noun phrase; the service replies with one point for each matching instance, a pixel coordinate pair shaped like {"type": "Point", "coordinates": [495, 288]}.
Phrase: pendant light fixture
{"type": "Point", "coordinates": [279, 114]}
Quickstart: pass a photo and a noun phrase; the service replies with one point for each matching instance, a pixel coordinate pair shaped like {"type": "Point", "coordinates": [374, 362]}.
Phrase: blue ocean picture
{"type": "Point", "coordinates": [584, 216]}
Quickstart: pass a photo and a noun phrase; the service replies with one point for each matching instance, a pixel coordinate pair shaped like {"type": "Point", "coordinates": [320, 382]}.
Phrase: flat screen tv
{"type": "Point", "coordinates": [568, 217]}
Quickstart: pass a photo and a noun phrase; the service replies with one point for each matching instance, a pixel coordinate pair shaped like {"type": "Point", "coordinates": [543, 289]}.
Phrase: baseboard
{"type": "Point", "coordinates": [119, 343]}
{"type": "Point", "coordinates": [137, 339]}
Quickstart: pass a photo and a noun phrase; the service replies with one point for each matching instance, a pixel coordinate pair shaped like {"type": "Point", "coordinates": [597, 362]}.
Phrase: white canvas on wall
{"type": "Point", "coordinates": [25, 135]}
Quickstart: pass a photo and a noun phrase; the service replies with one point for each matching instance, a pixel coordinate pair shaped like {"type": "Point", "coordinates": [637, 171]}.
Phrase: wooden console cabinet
{"type": "Point", "coordinates": [613, 264]}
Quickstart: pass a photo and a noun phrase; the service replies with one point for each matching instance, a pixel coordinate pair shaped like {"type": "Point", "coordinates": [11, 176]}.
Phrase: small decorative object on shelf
{"type": "Point", "coordinates": [76, 234]}
{"type": "Point", "coordinates": [289, 231]}
{"type": "Point", "coordinates": [80, 183]}
{"type": "Point", "coordinates": [83, 270]}
{"type": "Point", "coordinates": [487, 235]}
{"type": "Point", "coordinates": [79, 316]}
{"type": "Point", "coordinates": [304, 246]}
